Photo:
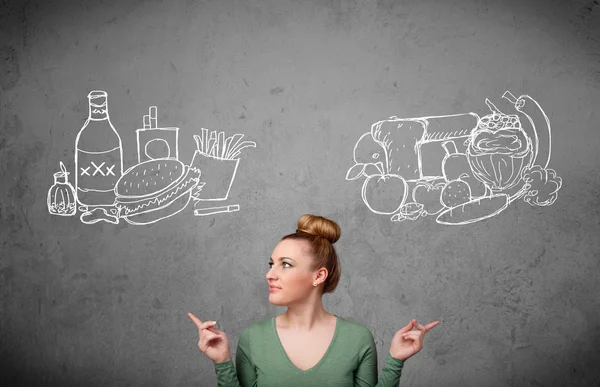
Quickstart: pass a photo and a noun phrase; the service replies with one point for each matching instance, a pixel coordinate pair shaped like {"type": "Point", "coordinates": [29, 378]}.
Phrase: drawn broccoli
{"type": "Point", "coordinates": [542, 186]}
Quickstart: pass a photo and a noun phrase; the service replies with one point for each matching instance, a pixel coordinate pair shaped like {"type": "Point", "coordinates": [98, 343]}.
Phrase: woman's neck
{"type": "Point", "coordinates": [304, 319]}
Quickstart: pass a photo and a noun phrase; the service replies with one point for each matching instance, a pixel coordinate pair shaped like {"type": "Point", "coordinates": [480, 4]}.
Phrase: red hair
{"type": "Point", "coordinates": [321, 233]}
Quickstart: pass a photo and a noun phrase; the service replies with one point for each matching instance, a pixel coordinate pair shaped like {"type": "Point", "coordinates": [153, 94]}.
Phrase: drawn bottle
{"type": "Point", "coordinates": [98, 155]}
{"type": "Point", "coordinates": [61, 196]}
{"type": "Point", "coordinates": [454, 163]}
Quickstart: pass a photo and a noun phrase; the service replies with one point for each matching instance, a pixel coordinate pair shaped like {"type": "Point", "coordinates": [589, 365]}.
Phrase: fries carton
{"type": "Point", "coordinates": [217, 160]}
{"type": "Point", "coordinates": [216, 173]}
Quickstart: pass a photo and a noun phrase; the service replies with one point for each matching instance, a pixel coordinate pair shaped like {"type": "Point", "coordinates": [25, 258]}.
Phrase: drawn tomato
{"type": "Point", "coordinates": [429, 195]}
{"type": "Point", "coordinates": [384, 193]}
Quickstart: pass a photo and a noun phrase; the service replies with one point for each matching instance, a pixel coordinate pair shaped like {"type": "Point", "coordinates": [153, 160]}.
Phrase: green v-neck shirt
{"type": "Point", "coordinates": [350, 360]}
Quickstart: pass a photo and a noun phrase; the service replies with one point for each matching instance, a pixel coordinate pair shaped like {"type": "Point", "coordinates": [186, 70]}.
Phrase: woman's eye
{"type": "Point", "coordinates": [285, 263]}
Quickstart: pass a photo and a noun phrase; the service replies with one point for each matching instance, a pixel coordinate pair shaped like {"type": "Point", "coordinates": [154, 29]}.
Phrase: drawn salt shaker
{"type": "Point", "coordinates": [61, 196]}
{"type": "Point", "coordinates": [98, 155]}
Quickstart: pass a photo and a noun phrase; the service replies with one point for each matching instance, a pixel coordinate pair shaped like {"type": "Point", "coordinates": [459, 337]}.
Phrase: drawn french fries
{"type": "Point", "coordinates": [204, 139]}
{"type": "Point", "coordinates": [234, 141]}
{"type": "Point", "coordinates": [216, 145]}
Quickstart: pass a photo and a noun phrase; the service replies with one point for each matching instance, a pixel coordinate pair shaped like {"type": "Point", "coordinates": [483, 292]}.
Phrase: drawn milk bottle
{"type": "Point", "coordinates": [98, 155]}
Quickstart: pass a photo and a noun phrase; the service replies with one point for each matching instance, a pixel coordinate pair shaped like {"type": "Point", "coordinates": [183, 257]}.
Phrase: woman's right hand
{"type": "Point", "coordinates": [212, 342]}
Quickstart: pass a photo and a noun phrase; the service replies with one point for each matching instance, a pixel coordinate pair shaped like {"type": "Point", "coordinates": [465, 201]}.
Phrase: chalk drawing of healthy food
{"type": "Point", "coordinates": [462, 168]}
{"type": "Point", "coordinates": [157, 187]}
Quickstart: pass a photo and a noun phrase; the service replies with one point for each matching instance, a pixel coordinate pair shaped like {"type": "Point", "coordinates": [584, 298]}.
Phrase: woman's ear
{"type": "Point", "coordinates": [322, 275]}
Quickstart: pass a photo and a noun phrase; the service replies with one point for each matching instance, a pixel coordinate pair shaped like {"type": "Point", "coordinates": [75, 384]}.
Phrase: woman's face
{"type": "Point", "coordinates": [290, 272]}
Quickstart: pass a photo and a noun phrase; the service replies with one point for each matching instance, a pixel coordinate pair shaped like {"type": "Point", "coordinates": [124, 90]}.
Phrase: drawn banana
{"type": "Point", "coordinates": [541, 133]}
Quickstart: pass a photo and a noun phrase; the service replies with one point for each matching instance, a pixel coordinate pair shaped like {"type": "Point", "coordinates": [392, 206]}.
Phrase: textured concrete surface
{"type": "Point", "coordinates": [105, 304]}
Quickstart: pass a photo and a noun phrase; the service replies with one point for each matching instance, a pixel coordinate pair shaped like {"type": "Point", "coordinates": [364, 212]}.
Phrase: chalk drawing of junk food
{"type": "Point", "coordinates": [217, 158]}
{"type": "Point", "coordinates": [61, 198]}
{"type": "Point", "coordinates": [98, 165]}
{"type": "Point", "coordinates": [157, 187]}
{"type": "Point", "coordinates": [461, 168]}
{"type": "Point", "coordinates": [160, 185]}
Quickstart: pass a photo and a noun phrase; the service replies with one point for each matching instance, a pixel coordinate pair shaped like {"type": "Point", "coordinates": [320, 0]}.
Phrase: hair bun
{"type": "Point", "coordinates": [320, 226]}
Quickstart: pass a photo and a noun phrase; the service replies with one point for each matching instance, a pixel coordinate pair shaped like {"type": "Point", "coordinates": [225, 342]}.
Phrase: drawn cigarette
{"type": "Point", "coordinates": [153, 120]}
{"type": "Point", "coordinates": [216, 210]}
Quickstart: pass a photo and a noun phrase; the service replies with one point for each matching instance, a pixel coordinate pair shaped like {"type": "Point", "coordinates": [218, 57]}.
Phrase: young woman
{"type": "Point", "coordinates": [306, 345]}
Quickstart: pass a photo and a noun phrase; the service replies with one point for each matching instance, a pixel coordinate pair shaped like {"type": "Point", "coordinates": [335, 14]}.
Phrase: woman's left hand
{"type": "Point", "coordinates": [406, 342]}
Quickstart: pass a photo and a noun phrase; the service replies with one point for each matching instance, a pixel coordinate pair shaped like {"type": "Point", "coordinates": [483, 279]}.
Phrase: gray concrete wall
{"type": "Point", "coordinates": [105, 304]}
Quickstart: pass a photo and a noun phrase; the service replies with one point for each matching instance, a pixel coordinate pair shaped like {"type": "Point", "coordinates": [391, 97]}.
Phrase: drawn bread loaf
{"type": "Point", "coordinates": [474, 211]}
{"type": "Point", "coordinates": [413, 146]}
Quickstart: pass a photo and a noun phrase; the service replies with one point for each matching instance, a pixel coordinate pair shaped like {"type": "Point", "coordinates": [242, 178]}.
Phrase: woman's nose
{"type": "Point", "coordinates": [269, 274]}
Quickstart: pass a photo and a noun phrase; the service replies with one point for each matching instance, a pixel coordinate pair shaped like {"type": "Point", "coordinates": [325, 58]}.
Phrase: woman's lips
{"type": "Point", "coordinates": [273, 288]}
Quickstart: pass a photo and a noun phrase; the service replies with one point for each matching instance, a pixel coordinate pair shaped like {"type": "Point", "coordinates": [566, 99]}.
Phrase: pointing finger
{"type": "Point", "coordinates": [431, 325]}
{"type": "Point", "coordinates": [195, 319]}
{"type": "Point", "coordinates": [201, 325]}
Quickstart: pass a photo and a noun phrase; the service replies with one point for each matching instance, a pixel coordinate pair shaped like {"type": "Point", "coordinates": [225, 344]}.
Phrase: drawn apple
{"type": "Point", "coordinates": [384, 193]}
{"type": "Point", "coordinates": [429, 195]}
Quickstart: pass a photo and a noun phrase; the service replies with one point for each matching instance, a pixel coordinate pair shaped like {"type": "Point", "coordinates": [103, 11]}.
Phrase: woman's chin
{"type": "Point", "coordinates": [275, 302]}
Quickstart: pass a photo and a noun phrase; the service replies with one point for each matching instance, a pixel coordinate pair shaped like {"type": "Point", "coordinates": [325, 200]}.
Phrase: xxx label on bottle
{"type": "Point", "coordinates": [98, 173]}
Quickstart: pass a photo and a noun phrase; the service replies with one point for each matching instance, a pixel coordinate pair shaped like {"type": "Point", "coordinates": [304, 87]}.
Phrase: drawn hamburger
{"type": "Point", "coordinates": [154, 190]}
